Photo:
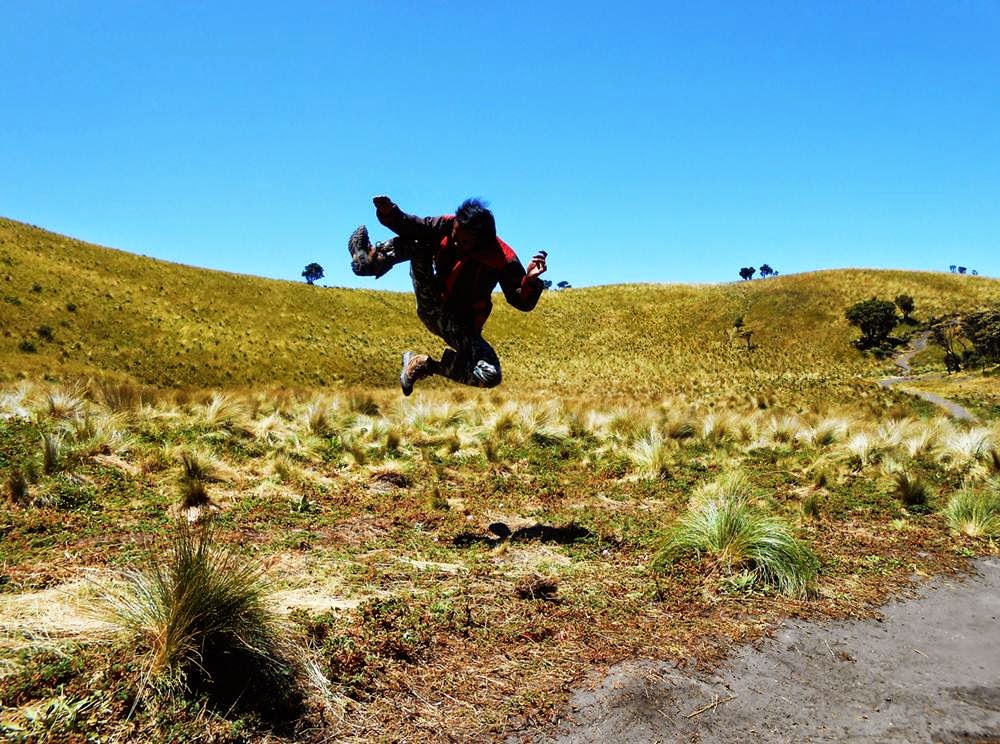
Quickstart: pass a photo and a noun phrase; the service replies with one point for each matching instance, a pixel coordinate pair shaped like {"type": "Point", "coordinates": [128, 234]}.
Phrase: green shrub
{"type": "Point", "coordinates": [740, 539]}
{"type": "Point", "coordinates": [199, 617]}
{"type": "Point", "coordinates": [974, 513]}
{"type": "Point", "coordinates": [876, 318]}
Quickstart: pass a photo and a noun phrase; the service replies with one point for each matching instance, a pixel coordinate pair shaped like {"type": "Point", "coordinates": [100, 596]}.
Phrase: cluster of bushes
{"type": "Point", "coordinates": [968, 340]}
{"type": "Point", "coordinates": [877, 319]}
{"type": "Point", "coordinates": [747, 272]}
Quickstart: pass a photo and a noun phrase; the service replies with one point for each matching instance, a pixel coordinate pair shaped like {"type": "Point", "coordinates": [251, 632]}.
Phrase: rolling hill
{"type": "Point", "coordinates": [71, 310]}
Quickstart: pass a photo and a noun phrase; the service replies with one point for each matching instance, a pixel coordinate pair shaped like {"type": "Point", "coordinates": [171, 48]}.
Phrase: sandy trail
{"type": "Point", "coordinates": [903, 360]}
{"type": "Point", "coordinates": [927, 671]}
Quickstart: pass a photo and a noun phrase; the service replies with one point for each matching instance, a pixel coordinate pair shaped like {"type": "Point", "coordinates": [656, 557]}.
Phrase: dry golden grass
{"type": "Point", "coordinates": [458, 530]}
{"type": "Point", "coordinates": [146, 322]}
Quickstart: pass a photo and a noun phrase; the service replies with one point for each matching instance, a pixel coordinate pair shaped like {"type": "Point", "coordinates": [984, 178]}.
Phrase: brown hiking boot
{"type": "Point", "coordinates": [415, 367]}
{"type": "Point", "coordinates": [367, 259]}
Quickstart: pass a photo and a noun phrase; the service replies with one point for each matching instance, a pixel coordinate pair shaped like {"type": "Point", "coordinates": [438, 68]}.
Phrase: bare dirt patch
{"type": "Point", "coordinates": [925, 670]}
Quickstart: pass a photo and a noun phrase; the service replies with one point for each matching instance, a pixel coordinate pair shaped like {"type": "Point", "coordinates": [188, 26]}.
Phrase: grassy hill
{"type": "Point", "coordinates": [69, 309]}
{"type": "Point", "coordinates": [449, 562]}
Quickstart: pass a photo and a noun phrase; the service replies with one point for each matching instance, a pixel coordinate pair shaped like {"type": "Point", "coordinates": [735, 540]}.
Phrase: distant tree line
{"type": "Point", "coordinates": [747, 272]}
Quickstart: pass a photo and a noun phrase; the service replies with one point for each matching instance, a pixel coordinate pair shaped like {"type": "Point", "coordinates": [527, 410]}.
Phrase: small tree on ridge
{"type": "Point", "coordinates": [312, 272]}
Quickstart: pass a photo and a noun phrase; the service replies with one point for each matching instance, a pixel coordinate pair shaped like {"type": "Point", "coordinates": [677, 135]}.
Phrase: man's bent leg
{"type": "Point", "coordinates": [425, 286]}
{"type": "Point", "coordinates": [376, 260]}
{"type": "Point", "coordinates": [427, 290]}
{"type": "Point", "coordinates": [472, 362]}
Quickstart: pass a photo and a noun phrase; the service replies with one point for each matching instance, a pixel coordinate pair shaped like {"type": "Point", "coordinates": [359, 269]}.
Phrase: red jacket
{"type": "Point", "coordinates": [467, 279]}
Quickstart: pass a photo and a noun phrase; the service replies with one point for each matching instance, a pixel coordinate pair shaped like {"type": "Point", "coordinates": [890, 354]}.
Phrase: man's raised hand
{"type": "Point", "coordinates": [536, 266]}
{"type": "Point", "coordinates": [383, 205]}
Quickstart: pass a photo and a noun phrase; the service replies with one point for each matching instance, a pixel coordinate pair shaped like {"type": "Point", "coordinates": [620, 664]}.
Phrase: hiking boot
{"type": "Point", "coordinates": [367, 259]}
{"type": "Point", "coordinates": [415, 367]}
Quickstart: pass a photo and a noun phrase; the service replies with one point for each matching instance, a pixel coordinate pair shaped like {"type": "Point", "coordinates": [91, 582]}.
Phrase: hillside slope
{"type": "Point", "coordinates": [69, 309]}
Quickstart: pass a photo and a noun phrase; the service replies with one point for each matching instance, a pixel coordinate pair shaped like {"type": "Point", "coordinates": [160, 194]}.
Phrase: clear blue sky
{"type": "Point", "coordinates": [650, 141]}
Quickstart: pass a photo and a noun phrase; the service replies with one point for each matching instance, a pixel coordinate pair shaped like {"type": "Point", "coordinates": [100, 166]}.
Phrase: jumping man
{"type": "Point", "coordinates": [455, 263]}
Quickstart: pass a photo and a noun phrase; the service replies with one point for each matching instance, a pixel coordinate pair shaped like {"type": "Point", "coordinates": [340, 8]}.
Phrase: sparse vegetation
{"type": "Point", "coordinates": [459, 550]}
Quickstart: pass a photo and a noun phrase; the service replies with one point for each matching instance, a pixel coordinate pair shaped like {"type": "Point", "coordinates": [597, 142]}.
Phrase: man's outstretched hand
{"type": "Point", "coordinates": [383, 205]}
{"type": "Point", "coordinates": [536, 266]}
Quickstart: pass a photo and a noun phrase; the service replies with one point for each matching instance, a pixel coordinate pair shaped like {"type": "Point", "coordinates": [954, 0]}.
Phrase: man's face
{"type": "Point", "coordinates": [463, 237]}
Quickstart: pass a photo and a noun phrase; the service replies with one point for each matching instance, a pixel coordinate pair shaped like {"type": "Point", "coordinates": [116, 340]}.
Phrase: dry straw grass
{"type": "Point", "coordinates": [139, 322]}
{"type": "Point", "coordinates": [199, 616]}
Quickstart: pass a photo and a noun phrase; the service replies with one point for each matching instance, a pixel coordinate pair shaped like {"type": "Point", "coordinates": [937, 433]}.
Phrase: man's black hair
{"type": "Point", "coordinates": [473, 214]}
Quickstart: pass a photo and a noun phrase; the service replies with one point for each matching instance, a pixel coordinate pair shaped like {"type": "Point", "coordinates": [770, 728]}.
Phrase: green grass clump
{"type": "Point", "coordinates": [812, 506]}
{"type": "Point", "coordinates": [741, 539]}
{"type": "Point", "coordinates": [974, 513]}
{"type": "Point", "coordinates": [911, 490]}
{"type": "Point", "coordinates": [17, 487]}
{"type": "Point", "coordinates": [199, 616]}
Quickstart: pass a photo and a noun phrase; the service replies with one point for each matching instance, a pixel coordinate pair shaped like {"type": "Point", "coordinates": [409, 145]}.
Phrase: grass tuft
{"type": "Point", "coordinates": [54, 458]}
{"type": "Point", "coordinates": [319, 418]}
{"type": "Point", "coordinates": [17, 487]}
{"type": "Point", "coordinates": [739, 539]}
{"type": "Point", "coordinates": [911, 490]}
{"type": "Point", "coordinates": [436, 501]}
{"type": "Point", "coordinates": [199, 617]}
{"type": "Point", "coordinates": [811, 506]}
{"type": "Point", "coordinates": [974, 513]}
{"type": "Point", "coordinates": [733, 486]}
{"type": "Point", "coordinates": [197, 470]}
{"type": "Point", "coordinates": [63, 404]}
{"type": "Point", "coordinates": [651, 454]}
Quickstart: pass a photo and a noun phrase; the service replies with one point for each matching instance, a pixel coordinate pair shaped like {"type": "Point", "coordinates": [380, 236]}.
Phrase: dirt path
{"type": "Point", "coordinates": [927, 671]}
{"type": "Point", "coordinates": [903, 360]}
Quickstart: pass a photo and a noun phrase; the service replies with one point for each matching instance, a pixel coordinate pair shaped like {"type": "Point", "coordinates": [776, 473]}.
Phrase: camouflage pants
{"type": "Point", "coordinates": [470, 360]}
